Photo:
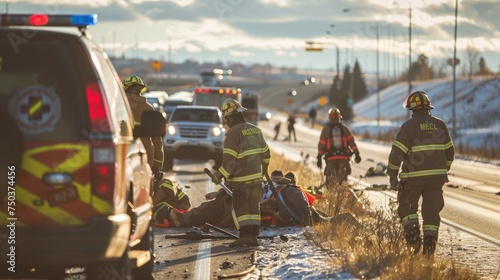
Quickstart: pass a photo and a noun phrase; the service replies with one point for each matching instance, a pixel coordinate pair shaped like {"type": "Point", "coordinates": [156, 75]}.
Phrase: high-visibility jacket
{"type": "Point", "coordinates": [326, 144]}
{"type": "Point", "coordinates": [244, 153]}
{"type": "Point", "coordinates": [168, 196]}
{"type": "Point", "coordinates": [424, 146]}
{"type": "Point", "coordinates": [153, 145]}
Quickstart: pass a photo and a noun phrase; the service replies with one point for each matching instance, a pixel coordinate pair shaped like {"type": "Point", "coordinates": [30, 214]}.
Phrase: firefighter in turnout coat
{"type": "Point", "coordinates": [244, 161]}
{"type": "Point", "coordinates": [424, 147]}
{"type": "Point", "coordinates": [134, 86]}
{"type": "Point", "coordinates": [336, 145]}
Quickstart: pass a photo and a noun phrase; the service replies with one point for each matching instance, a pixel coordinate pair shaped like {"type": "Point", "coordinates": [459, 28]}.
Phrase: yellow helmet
{"type": "Point", "coordinates": [134, 80]}
{"type": "Point", "coordinates": [334, 113]}
{"type": "Point", "coordinates": [231, 106]}
{"type": "Point", "coordinates": [418, 100]}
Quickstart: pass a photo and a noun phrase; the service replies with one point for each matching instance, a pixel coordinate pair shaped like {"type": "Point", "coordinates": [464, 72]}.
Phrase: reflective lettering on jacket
{"type": "Point", "coordinates": [244, 153]}
{"type": "Point", "coordinates": [424, 148]}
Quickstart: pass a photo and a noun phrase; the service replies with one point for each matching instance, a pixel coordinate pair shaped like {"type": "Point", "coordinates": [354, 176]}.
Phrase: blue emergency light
{"type": "Point", "coordinates": [80, 20]}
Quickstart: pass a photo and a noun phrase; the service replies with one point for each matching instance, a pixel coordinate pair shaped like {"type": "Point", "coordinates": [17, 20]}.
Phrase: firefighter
{"type": "Point", "coordinates": [168, 196]}
{"type": "Point", "coordinates": [336, 145]}
{"type": "Point", "coordinates": [134, 86]}
{"type": "Point", "coordinates": [424, 147]}
{"type": "Point", "coordinates": [245, 159]}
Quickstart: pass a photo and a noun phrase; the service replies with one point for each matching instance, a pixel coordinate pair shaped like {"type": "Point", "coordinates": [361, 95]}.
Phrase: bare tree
{"type": "Point", "coordinates": [472, 55]}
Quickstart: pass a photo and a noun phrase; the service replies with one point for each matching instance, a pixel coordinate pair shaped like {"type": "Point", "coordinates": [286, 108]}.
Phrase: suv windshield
{"type": "Point", "coordinates": [195, 115]}
{"type": "Point", "coordinates": [40, 87]}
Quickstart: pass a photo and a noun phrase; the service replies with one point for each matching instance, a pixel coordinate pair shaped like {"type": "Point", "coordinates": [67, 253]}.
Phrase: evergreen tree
{"type": "Point", "coordinates": [483, 69]}
{"type": "Point", "coordinates": [359, 90]}
{"type": "Point", "coordinates": [342, 99]}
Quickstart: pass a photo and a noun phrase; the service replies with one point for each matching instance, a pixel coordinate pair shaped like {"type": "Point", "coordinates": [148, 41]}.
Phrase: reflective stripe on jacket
{"type": "Point", "coordinates": [424, 146]}
{"type": "Point", "coordinates": [245, 151]}
{"type": "Point", "coordinates": [325, 144]}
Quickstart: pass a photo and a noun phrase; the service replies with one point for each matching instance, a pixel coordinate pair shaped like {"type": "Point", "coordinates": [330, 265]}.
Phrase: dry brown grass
{"type": "Point", "coordinates": [367, 243]}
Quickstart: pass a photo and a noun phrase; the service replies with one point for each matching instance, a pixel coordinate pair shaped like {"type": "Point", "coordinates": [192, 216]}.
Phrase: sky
{"type": "Point", "coordinates": [276, 31]}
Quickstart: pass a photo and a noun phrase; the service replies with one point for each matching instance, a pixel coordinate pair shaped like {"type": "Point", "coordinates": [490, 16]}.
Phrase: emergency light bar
{"type": "Point", "coordinates": [81, 20]}
{"type": "Point", "coordinates": [233, 91]}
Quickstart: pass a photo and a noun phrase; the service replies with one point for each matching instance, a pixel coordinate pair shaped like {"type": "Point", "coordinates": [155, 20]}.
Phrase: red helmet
{"type": "Point", "coordinates": [334, 113]}
{"type": "Point", "coordinates": [418, 100]}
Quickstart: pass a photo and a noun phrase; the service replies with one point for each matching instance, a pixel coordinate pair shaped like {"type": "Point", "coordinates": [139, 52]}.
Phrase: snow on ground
{"type": "Point", "coordinates": [299, 258]}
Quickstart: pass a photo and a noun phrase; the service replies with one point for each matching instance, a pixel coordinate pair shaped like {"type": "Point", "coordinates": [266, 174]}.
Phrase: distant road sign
{"type": "Point", "coordinates": [156, 65]}
{"type": "Point", "coordinates": [289, 101]}
{"type": "Point", "coordinates": [322, 101]}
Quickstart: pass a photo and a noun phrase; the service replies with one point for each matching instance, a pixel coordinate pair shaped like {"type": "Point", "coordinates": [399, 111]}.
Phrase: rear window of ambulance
{"type": "Point", "coordinates": [41, 84]}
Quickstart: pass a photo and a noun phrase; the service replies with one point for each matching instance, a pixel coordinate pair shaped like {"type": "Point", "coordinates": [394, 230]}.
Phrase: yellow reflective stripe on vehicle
{"type": "Point", "coordinates": [102, 206]}
{"type": "Point", "coordinates": [246, 178]}
{"type": "Point", "coordinates": [230, 152]}
{"type": "Point", "coordinates": [4, 217]}
{"type": "Point", "coordinates": [70, 165]}
{"type": "Point", "coordinates": [400, 146]}
{"type": "Point", "coordinates": [430, 147]}
{"type": "Point", "coordinates": [421, 173]}
{"type": "Point", "coordinates": [53, 213]}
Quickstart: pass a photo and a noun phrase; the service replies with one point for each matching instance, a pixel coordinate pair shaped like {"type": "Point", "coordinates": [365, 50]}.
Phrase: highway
{"type": "Point", "coordinates": [470, 202]}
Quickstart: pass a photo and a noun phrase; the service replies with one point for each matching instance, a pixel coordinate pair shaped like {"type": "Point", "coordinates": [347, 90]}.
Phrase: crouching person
{"type": "Point", "coordinates": [291, 207]}
{"type": "Point", "coordinates": [168, 196]}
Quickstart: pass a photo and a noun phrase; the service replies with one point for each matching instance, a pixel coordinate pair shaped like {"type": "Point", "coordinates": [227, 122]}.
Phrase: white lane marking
{"type": "Point", "coordinates": [203, 260]}
{"type": "Point", "coordinates": [202, 267]}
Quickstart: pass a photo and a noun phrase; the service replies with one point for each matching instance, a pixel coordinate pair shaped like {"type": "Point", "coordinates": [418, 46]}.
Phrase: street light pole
{"type": "Point", "coordinates": [454, 128]}
{"type": "Point", "coordinates": [378, 79]}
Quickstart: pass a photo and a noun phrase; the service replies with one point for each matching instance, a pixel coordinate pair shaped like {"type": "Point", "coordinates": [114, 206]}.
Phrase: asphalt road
{"type": "Point", "coordinates": [470, 196]}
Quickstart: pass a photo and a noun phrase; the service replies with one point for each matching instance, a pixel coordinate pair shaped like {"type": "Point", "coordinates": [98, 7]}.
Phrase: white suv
{"type": "Point", "coordinates": [194, 132]}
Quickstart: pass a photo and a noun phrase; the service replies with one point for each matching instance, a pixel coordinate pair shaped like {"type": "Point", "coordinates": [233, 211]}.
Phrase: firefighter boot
{"type": "Point", "coordinates": [244, 240]}
{"type": "Point", "coordinates": [413, 239]}
{"type": "Point", "coordinates": [429, 245]}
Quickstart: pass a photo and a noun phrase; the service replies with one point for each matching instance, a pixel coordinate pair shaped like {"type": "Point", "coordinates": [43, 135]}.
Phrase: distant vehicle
{"type": "Point", "coordinates": [195, 132]}
{"type": "Point", "coordinates": [82, 190]}
{"type": "Point", "coordinates": [177, 99]}
{"type": "Point", "coordinates": [292, 92]}
{"type": "Point", "coordinates": [156, 99]}
{"type": "Point", "coordinates": [212, 77]}
{"type": "Point", "coordinates": [215, 96]}
{"type": "Point", "coordinates": [265, 115]}
{"type": "Point", "coordinates": [309, 80]}
{"type": "Point", "coordinates": [251, 101]}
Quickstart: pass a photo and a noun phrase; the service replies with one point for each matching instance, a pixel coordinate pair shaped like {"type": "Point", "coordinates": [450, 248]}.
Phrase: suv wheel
{"type": "Point", "coordinates": [147, 243]}
{"type": "Point", "coordinates": [111, 270]}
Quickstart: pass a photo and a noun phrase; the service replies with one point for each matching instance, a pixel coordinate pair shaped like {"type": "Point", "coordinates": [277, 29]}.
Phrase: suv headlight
{"type": "Point", "coordinates": [171, 130]}
{"type": "Point", "coordinates": [216, 131]}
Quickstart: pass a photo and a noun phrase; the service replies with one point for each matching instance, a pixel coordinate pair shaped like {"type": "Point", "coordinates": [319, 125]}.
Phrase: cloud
{"type": "Point", "coordinates": [239, 53]}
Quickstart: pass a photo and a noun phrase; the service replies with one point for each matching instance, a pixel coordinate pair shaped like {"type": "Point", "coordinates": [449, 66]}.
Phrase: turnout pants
{"type": "Point", "coordinates": [431, 191]}
{"type": "Point", "coordinates": [336, 171]}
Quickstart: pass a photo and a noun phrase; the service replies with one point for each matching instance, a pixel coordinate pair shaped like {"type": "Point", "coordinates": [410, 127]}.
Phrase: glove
{"type": "Point", "coordinates": [217, 178]}
{"type": "Point", "coordinates": [395, 184]}
{"type": "Point", "coordinates": [320, 162]}
{"type": "Point", "coordinates": [357, 158]}
{"type": "Point", "coordinates": [157, 173]}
